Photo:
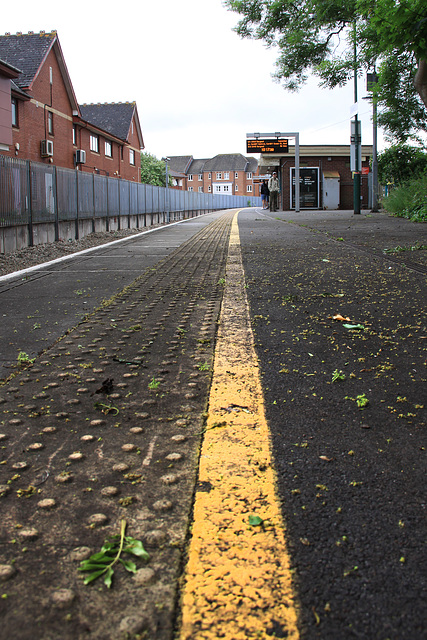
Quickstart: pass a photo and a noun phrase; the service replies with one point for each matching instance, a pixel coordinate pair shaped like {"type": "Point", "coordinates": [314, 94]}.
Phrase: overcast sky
{"type": "Point", "coordinates": [198, 86]}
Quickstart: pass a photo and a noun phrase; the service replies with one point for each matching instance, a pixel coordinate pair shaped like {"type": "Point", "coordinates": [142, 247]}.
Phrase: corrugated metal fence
{"type": "Point", "coordinates": [32, 193]}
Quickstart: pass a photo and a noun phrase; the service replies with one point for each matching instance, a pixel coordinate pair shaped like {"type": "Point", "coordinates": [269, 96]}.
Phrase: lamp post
{"type": "Point", "coordinates": [166, 160]}
{"type": "Point", "coordinates": [357, 136]}
{"type": "Point", "coordinates": [371, 82]}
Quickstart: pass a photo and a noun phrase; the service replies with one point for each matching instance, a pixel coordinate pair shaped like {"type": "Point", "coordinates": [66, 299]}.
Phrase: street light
{"type": "Point", "coordinates": [166, 160]}
{"type": "Point", "coordinates": [372, 80]}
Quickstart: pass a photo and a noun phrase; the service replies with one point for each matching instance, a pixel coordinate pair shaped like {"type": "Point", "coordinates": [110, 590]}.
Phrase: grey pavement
{"type": "Point", "coordinates": [40, 304]}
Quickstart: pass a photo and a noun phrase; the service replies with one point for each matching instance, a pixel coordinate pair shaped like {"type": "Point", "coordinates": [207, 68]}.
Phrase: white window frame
{"type": "Point", "coordinates": [200, 177]}
{"type": "Point", "coordinates": [15, 121]}
{"type": "Point", "coordinates": [94, 143]}
{"type": "Point", "coordinates": [50, 123]}
{"type": "Point", "coordinates": [132, 157]}
{"type": "Point", "coordinates": [209, 176]}
{"type": "Point", "coordinates": [200, 189]}
{"type": "Point", "coordinates": [249, 175]}
{"type": "Point", "coordinates": [226, 175]}
{"type": "Point", "coordinates": [236, 187]}
{"type": "Point", "coordinates": [190, 189]}
{"type": "Point", "coordinates": [236, 174]}
{"type": "Point", "coordinates": [209, 189]}
{"type": "Point", "coordinates": [219, 175]}
{"type": "Point", "coordinates": [190, 177]}
{"type": "Point", "coordinates": [249, 188]}
{"type": "Point", "coordinates": [108, 149]}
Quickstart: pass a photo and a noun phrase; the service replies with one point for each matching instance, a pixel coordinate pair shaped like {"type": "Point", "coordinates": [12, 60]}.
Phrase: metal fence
{"type": "Point", "coordinates": [32, 192]}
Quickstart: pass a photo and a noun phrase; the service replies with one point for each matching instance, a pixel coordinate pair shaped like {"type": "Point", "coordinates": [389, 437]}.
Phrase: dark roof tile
{"type": "Point", "coordinates": [180, 163]}
{"type": "Point", "coordinates": [26, 51]}
{"type": "Point", "coordinates": [114, 118]}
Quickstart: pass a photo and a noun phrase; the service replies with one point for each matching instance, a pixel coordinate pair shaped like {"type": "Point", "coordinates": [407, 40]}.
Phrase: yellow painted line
{"type": "Point", "coordinates": [238, 582]}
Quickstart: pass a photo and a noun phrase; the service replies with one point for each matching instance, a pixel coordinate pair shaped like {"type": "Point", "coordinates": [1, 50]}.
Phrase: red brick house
{"type": "Point", "coordinates": [47, 122]}
{"type": "Point", "coordinates": [229, 173]}
{"type": "Point", "coordinates": [7, 75]}
{"type": "Point", "coordinates": [326, 180]}
{"type": "Point", "coordinates": [112, 138]}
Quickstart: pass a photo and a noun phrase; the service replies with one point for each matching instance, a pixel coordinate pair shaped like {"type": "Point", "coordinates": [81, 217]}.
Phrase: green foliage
{"type": "Point", "coordinates": [103, 563]}
{"type": "Point", "coordinates": [400, 163]}
{"type": "Point", "coordinates": [319, 36]}
{"type": "Point", "coordinates": [154, 384]}
{"type": "Point", "coordinates": [409, 200]}
{"type": "Point", "coordinates": [24, 358]}
{"type": "Point", "coordinates": [153, 170]}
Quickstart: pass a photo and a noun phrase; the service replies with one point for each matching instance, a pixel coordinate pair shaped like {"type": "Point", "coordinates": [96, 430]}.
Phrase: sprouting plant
{"type": "Point", "coordinates": [362, 401]}
{"type": "Point", "coordinates": [221, 281]}
{"type": "Point", "coordinates": [106, 408]}
{"type": "Point", "coordinates": [103, 563]}
{"type": "Point", "coordinates": [204, 366]}
{"type": "Point", "coordinates": [154, 384]}
{"type": "Point", "coordinates": [338, 375]}
{"type": "Point", "coordinates": [24, 358]}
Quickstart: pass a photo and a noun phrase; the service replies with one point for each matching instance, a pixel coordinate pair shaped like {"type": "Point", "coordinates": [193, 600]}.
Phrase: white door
{"type": "Point", "coordinates": [331, 193]}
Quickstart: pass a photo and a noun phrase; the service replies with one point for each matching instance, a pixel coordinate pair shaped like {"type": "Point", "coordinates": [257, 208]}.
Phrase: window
{"type": "Point", "coordinates": [236, 188]}
{"type": "Point", "coordinates": [209, 189]}
{"type": "Point", "coordinates": [190, 188]}
{"type": "Point", "coordinates": [94, 143]}
{"type": "Point", "coordinates": [74, 135]}
{"type": "Point", "coordinates": [200, 177]}
{"type": "Point", "coordinates": [131, 157]}
{"type": "Point", "coordinates": [109, 149]}
{"type": "Point", "coordinates": [219, 175]}
{"type": "Point", "coordinates": [226, 175]}
{"type": "Point", "coordinates": [249, 175]}
{"type": "Point", "coordinates": [225, 188]}
{"type": "Point", "coordinates": [14, 112]}
{"type": "Point", "coordinates": [190, 177]}
{"type": "Point", "coordinates": [236, 174]}
{"type": "Point", "coordinates": [249, 188]}
{"type": "Point", "coordinates": [217, 188]}
{"type": "Point", "coordinates": [209, 176]}
{"type": "Point", "coordinates": [200, 189]}
{"type": "Point", "coordinates": [50, 123]}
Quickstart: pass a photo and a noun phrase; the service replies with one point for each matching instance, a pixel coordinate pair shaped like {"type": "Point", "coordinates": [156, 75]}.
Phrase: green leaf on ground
{"type": "Point", "coordinates": [102, 563]}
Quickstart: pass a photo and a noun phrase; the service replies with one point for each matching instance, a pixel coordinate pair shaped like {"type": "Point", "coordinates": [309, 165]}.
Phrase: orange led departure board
{"type": "Point", "coordinates": [262, 145]}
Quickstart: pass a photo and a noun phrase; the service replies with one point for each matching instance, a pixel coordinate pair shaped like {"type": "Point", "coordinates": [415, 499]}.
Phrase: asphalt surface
{"type": "Point", "coordinates": [40, 304]}
{"type": "Point", "coordinates": [346, 405]}
{"type": "Point", "coordinates": [345, 401]}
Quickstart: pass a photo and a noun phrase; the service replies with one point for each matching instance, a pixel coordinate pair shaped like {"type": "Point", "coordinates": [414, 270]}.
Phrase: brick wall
{"type": "Point", "coordinates": [341, 164]}
{"type": "Point", "coordinates": [32, 118]}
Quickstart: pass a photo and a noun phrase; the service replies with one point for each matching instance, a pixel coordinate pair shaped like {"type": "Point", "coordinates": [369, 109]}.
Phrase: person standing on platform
{"type": "Point", "coordinates": [264, 194]}
{"type": "Point", "coordinates": [274, 188]}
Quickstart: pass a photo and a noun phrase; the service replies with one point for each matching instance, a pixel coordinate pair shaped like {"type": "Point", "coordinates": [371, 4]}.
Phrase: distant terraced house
{"type": "Point", "coordinates": [229, 173]}
{"type": "Point", "coordinates": [41, 120]}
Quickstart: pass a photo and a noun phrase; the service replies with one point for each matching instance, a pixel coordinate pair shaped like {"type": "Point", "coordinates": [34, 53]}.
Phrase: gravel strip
{"type": "Point", "coordinates": [32, 256]}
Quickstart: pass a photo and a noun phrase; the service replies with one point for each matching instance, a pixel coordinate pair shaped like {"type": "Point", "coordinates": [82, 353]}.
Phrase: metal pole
{"type": "Point", "coordinates": [374, 155]}
{"type": "Point", "coordinates": [167, 193]}
{"type": "Point", "coordinates": [356, 175]}
{"type": "Point", "coordinates": [297, 184]}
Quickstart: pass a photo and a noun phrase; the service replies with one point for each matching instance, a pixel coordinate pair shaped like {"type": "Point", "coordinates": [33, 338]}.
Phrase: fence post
{"type": "Point", "coordinates": [55, 204]}
{"type": "Point", "coordinates": [30, 206]}
{"type": "Point", "coordinates": [76, 221]}
{"type": "Point", "coordinates": [129, 196]}
{"type": "Point", "coordinates": [119, 221]}
{"type": "Point", "coordinates": [107, 220]}
{"type": "Point", "coordinates": [93, 202]}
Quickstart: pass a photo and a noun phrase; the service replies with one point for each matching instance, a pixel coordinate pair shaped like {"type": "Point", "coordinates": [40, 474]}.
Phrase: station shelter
{"type": "Point", "coordinates": [326, 179]}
